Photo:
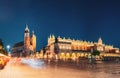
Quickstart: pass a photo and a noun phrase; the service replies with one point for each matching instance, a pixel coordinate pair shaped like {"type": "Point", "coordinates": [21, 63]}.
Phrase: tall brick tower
{"type": "Point", "coordinates": [27, 41]}
{"type": "Point", "coordinates": [33, 41]}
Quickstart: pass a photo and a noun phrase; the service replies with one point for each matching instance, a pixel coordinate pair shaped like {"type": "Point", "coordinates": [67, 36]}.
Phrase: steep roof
{"type": "Point", "coordinates": [27, 29]}
{"type": "Point", "coordinates": [19, 44]}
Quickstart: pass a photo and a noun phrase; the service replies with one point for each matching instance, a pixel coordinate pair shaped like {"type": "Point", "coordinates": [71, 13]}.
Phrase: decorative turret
{"type": "Point", "coordinates": [32, 32]}
{"type": "Point", "coordinates": [100, 41]}
{"type": "Point", "coordinates": [33, 35]}
{"type": "Point", "coordinates": [53, 37]}
{"type": "Point", "coordinates": [58, 37]}
{"type": "Point", "coordinates": [50, 36]}
{"type": "Point", "coordinates": [64, 38]}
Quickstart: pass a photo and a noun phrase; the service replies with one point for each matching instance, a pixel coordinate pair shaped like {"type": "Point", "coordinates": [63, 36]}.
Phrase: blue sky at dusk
{"type": "Point", "coordinates": [79, 19]}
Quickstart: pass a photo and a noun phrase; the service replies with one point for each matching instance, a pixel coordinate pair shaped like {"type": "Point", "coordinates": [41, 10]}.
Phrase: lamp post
{"type": "Point", "coordinates": [8, 48]}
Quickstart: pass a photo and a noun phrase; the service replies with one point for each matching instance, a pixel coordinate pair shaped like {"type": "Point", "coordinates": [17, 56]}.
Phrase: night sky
{"type": "Point", "coordinates": [78, 19]}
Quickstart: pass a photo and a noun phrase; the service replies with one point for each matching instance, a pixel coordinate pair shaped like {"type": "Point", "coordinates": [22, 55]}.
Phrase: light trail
{"type": "Point", "coordinates": [35, 63]}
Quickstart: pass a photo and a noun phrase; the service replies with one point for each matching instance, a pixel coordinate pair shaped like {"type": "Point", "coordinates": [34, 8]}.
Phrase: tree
{"type": "Point", "coordinates": [96, 53]}
{"type": "Point", "coordinates": [1, 42]}
{"type": "Point", "coordinates": [2, 50]}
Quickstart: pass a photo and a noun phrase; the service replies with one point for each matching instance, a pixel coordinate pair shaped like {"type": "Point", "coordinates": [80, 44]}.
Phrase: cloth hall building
{"type": "Point", "coordinates": [62, 48]}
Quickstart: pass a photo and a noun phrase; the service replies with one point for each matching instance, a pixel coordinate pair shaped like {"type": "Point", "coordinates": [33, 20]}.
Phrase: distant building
{"type": "Point", "coordinates": [26, 47]}
{"type": "Point", "coordinates": [62, 48]}
{"type": "Point", "coordinates": [18, 49]}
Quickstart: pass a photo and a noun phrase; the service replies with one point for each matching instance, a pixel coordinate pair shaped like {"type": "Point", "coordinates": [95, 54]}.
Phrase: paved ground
{"type": "Point", "coordinates": [18, 70]}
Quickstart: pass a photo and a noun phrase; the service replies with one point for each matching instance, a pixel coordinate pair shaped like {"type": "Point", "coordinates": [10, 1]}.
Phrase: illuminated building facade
{"type": "Point", "coordinates": [62, 48]}
{"type": "Point", "coordinates": [26, 47]}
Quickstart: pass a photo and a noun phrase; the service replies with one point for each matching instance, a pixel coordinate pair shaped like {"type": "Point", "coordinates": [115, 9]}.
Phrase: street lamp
{"type": "Point", "coordinates": [8, 48]}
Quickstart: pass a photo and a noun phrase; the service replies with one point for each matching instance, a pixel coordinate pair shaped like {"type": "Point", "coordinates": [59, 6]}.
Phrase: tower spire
{"type": "Point", "coordinates": [33, 32]}
{"type": "Point", "coordinates": [99, 40]}
{"type": "Point", "coordinates": [26, 29]}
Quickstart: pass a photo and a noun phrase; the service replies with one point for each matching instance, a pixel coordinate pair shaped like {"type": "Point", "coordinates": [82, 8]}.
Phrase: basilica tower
{"type": "Point", "coordinates": [27, 40]}
{"type": "Point", "coordinates": [33, 41]}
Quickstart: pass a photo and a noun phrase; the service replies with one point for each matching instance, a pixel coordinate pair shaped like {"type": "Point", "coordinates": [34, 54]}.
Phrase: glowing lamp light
{"type": "Point", "coordinates": [8, 46]}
